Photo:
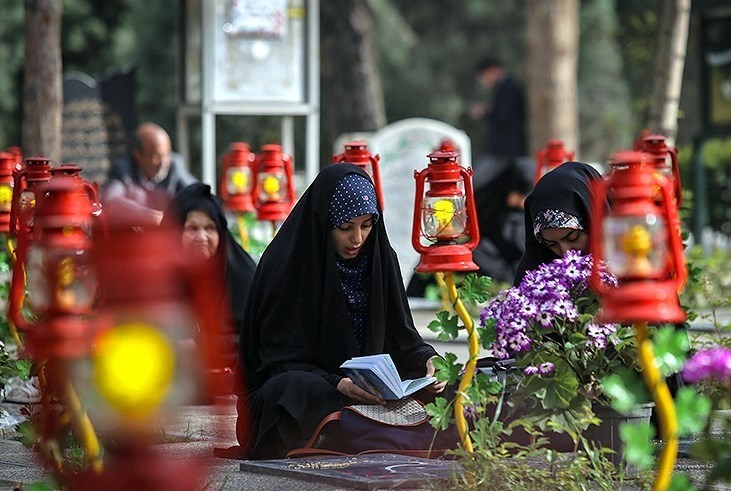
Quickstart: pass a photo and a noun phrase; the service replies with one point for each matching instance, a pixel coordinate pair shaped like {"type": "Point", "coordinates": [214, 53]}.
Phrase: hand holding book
{"type": "Point", "coordinates": [377, 374]}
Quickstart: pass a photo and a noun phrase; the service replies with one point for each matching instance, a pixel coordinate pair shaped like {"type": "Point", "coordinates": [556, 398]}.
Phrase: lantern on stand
{"type": "Point", "coordinates": [61, 294]}
{"type": "Point", "coordinates": [74, 171]}
{"type": "Point", "coordinates": [26, 181]}
{"type": "Point", "coordinates": [551, 157]}
{"type": "Point", "coordinates": [274, 188]}
{"type": "Point", "coordinates": [237, 185]}
{"type": "Point", "coordinates": [152, 331]}
{"type": "Point", "coordinates": [636, 242]}
{"type": "Point", "coordinates": [8, 167]}
{"type": "Point", "coordinates": [446, 219]}
{"type": "Point", "coordinates": [356, 152]}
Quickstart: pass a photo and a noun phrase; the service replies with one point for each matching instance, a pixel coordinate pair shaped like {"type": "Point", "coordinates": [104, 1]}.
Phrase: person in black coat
{"type": "Point", "coordinates": [327, 288]}
{"type": "Point", "coordinates": [206, 240]}
{"type": "Point", "coordinates": [506, 115]}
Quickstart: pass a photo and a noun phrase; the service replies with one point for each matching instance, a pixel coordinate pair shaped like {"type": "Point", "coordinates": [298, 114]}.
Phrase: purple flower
{"type": "Point", "coordinates": [530, 370]}
{"type": "Point", "coordinates": [545, 369]}
{"type": "Point", "coordinates": [709, 364]}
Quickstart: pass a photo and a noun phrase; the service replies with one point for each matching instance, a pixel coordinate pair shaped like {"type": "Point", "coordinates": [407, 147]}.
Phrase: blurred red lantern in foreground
{"type": "Point", "coordinates": [445, 215]}
{"type": "Point", "coordinates": [637, 242]}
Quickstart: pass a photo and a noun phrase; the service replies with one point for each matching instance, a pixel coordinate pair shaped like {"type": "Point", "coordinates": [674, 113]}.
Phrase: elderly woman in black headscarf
{"type": "Point", "coordinates": [327, 288]}
{"type": "Point", "coordinates": [557, 215]}
{"type": "Point", "coordinates": [207, 240]}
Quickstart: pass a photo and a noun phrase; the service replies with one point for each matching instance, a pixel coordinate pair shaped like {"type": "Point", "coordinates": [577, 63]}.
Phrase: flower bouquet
{"type": "Point", "coordinates": [548, 324]}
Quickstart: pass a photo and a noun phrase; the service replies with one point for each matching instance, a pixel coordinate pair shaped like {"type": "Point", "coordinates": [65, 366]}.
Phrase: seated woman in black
{"type": "Point", "coordinates": [327, 288]}
{"type": "Point", "coordinates": [557, 215]}
{"type": "Point", "coordinates": [207, 241]}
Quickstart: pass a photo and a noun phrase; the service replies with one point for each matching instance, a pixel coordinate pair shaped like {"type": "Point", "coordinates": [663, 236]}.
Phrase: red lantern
{"type": "Point", "coordinates": [237, 181]}
{"type": "Point", "coordinates": [37, 171]}
{"type": "Point", "coordinates": [8, 166]}
{"type": "Point", "coordinates": [665, 160]}
{"type": "Point", "coordinates": [356, 152]}
{"type": "Point", "coordinates": [274, 188]}
{"type": "Point", "coordinates": [637, 241]}
{"type": "Point", "coordinates": [554, 155]}
{"type": "Point", "coordinates": [152, 331]}
{"type": "Point", "coordinates": [445, 215]}
{"type": "Point", "coordinates": [74, 171]}
{"type": "Point", "coordinates": [60, 281]}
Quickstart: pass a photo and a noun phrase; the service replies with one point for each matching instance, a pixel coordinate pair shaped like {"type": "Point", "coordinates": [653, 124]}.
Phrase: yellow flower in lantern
{"type": "Point", "coordinates": [271, 186]}
{"type": "Point", "coordinates": [6, 198]}
{"type": "Point", "coordinates": [239, 180]}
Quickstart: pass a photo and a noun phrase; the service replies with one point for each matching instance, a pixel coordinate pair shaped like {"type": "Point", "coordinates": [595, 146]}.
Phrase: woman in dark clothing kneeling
{"type": "Point", "coordinates": [327, 288]}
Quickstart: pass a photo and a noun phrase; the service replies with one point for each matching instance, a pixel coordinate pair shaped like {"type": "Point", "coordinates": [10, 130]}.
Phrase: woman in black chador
{"type": "Point", "coordinates": [327, 288]}
{"type": "Point", "coordinates": [557, 215]}
{"type": "Point", "coordinates": [206, 239]}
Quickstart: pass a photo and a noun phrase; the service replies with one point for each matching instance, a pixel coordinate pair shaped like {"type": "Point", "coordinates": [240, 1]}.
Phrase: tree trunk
{"type": "Point", "coordinates": [42, 79]}
{"type": "Point", "coordinates": [669, 65]}
{"type": "Point", "coordinates": [552, 45]}
{"type": "Point", "coordinates": [350, 75]}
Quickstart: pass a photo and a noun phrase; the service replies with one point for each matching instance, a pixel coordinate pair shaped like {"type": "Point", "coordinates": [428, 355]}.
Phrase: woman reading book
{"type": "Point", "coordinates": [327, 288]}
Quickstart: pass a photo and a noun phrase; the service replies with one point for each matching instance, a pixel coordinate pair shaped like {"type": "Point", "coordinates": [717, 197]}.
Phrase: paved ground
{"type": "Point", "coordinates": [196, 430]}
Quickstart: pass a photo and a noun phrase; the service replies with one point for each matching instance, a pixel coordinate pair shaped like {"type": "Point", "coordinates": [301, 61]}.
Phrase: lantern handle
{"type": "Point", "coordinates": [17, 287]}
{"type": "Point", "coordinates": [680, 270]}
{"type": "Point", "coordinates": [15, 204]}
{"type": "Point", "coordinates": [473, 226]}
{"type": "Point", "coordinates": [416, 225]}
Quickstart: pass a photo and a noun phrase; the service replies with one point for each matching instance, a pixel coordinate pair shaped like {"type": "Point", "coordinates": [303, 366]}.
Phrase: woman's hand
{"type": "Point", "coordinates": [437, 387]}
{"type": "Point", "coordinates": [347, 387]}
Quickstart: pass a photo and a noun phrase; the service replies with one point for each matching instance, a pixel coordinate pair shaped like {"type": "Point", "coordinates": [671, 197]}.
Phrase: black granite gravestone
{"type": "Point", "coordinates": [98, 121]}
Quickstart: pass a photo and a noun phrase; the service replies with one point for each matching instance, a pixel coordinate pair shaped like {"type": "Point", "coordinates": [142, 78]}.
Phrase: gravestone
{"type": "Point", "coordinates": [98, 120]}
{"type": "Point", "coordinates": [403, 147]}
{"type": "Point", "coordinates": [363, 472]}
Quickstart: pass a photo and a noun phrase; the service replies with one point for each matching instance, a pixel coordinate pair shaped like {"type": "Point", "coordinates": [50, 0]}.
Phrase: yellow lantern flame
{"type": "Point", "coordinates": [133, 368]}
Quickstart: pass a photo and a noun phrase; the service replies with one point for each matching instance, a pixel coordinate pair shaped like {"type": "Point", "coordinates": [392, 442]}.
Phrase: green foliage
{"type": "Point", "coordinates": [638, 447]}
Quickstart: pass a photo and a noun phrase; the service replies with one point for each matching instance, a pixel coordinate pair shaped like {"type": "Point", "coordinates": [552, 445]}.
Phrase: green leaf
{"type": "Point", "coordinates": [709, 449]}
{"type": "Point", "coordinates": [447, 369]}
{"type": "Point", "coordinates": [445, 326]}
{"type": "Point", "coordinates": [692, 410]}
{"type": "Point", "coordinates": [28, 434]}
{"type": "Point", "coordinates": [638, 447]}
{"type": "Point", "coordinates": [671, 349]}
{"type": "Point", "coordinates": [474, 289]}
{"type": "Point", "coordinates": [681, 482]}
{"type": "Point", "coordinates": [625, 390]}
{"type": "Point", "coordinates": [441, 413]}
{"type": "Point", "coordinates": [487, 334]}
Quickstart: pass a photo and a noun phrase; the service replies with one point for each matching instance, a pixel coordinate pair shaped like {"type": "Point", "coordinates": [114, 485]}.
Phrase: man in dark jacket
{"type": "Point", "coordinates": [505, 117]}
{"type": "Point", "coordinates": [141, 185]}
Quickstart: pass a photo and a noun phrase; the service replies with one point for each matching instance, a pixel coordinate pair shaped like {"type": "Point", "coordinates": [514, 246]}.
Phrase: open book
{"type": "Point", "coordinates": [378, 375]}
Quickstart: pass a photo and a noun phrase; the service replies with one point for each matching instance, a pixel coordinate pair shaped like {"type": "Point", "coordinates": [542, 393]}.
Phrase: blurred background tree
{"type": "Point", "coordinates": [400, 62]}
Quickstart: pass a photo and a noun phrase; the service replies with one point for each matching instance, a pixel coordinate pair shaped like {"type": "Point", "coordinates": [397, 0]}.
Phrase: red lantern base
{"type": "Point", "coordinates": [239, 204]}
{"type": "Point", "coordinates": [273, 212]}
{"type": "Point", "coordinates": [447, 258]}
{"type": "Point", "coordinates": [650, 301]}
